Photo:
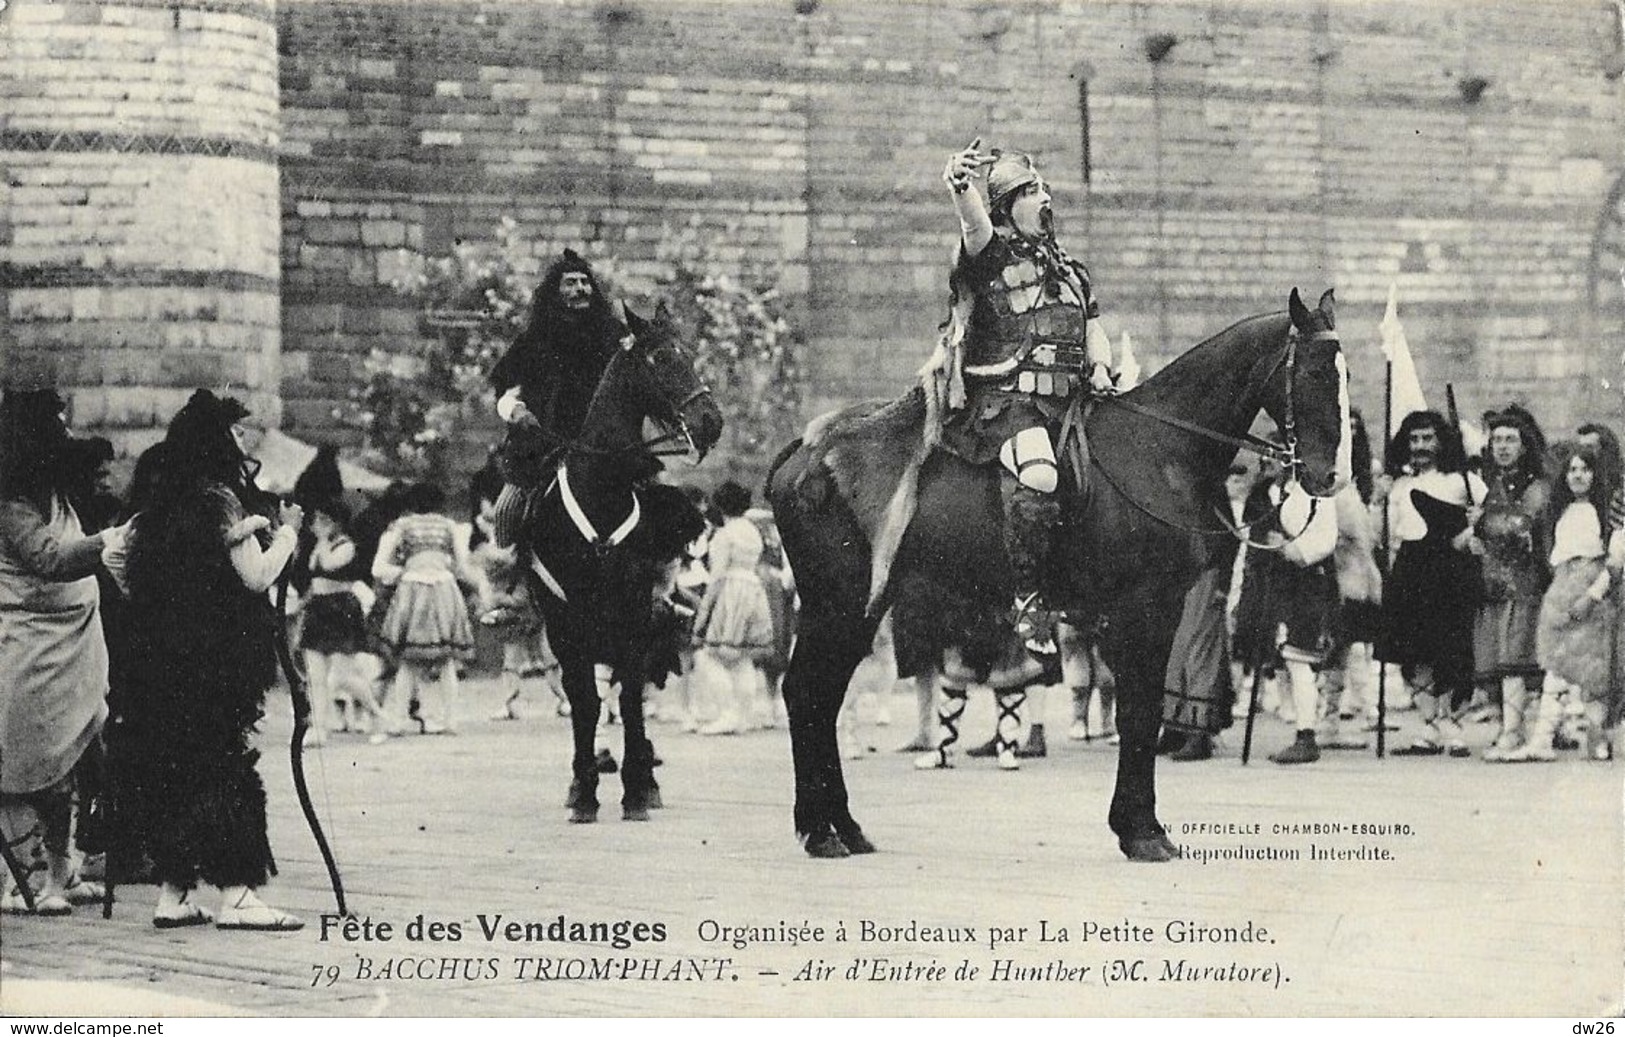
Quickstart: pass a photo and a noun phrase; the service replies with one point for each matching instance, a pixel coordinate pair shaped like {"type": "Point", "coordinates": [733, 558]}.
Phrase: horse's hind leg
{"type": "Point", "coordinates": [639, 792]}
{"type": "Point", "coordinates": [827, 652]}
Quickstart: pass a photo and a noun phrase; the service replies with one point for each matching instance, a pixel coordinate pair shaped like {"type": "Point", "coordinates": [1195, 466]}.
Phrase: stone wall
{"type": "Point", "coordinates": [139, 239]}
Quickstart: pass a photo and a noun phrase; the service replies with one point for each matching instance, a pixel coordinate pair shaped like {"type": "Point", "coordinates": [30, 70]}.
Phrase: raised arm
{"type": "Point", "coordinates": [975, 225]}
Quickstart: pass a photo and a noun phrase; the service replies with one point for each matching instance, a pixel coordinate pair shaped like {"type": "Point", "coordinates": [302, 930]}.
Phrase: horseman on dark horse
{"type": "Point", "coordinates": [953, 494]}
{"type": "Point", "coordinates": [581, 501]}
{"type": "Point", "coordinates": [1023, 337]}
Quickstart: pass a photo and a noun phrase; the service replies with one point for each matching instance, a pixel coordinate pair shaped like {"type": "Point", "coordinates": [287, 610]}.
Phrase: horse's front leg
{"type": "Point", "coordinates": [639, 792]}
{"type": "Point", "coordinates": [576, 674]}
{"type": "Point", "coordinates": [1139, 659]}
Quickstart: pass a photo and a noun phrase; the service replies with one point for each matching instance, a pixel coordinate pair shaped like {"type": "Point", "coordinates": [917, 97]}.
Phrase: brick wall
{"type": "Point", "coordinates": [1274, 145]}
{"type": "Point", "coordinates": [139, 239]}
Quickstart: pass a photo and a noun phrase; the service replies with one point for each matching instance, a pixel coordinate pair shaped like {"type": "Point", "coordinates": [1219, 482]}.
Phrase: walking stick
{"type": "Point", "coordinates": [1252, 711]}
{"type": "Point", "coordinates": [18, 874]}
{"type": "Point", "coordinates": [1382, 559]}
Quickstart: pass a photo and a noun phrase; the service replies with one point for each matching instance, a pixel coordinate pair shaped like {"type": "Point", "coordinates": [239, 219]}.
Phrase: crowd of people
{"type": "Point", "coordinates": [138, 633]}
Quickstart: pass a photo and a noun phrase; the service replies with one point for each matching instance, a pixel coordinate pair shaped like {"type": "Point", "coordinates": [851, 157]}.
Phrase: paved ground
{"type": "Point", "coordinates": [1502, 899]}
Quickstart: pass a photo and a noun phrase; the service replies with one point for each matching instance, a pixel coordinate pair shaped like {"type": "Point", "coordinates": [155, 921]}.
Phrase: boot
{"type": "Point", "coordinates": [1539, 747]}
{"type": "Point", "coordinates": [949, 709]}
{"type": "Point", "coordinates": [1302, 750]}
{"type": "Point", "coordinates": [1196, 747]}
{"type": "Point", "coordinates": [1030, 521]}
{"type": "Point", "coordinates": [1035, 747]}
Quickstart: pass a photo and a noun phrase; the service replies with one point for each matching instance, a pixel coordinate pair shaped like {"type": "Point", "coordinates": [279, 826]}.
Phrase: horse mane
{"type": "Point", "coordinates": [1201, 354]}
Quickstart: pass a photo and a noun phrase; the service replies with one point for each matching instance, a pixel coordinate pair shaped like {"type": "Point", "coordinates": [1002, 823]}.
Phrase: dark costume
{"type": "Point", "coordinates": [556, 364]}
{"type": "Point", "coordinates": [202, 653]}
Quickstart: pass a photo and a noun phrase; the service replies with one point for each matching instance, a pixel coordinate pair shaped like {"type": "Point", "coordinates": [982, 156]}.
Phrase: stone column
{"type": "Point", "coordinates": [140, 224]}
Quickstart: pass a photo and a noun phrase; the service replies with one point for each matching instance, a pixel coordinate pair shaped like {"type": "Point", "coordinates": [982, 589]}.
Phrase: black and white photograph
{"type": "Point", "coordinates": [872, 509]}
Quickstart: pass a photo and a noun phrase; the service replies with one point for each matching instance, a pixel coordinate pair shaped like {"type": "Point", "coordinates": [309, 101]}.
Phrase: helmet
{"type": "Point", "coordinates": [1008, 174]}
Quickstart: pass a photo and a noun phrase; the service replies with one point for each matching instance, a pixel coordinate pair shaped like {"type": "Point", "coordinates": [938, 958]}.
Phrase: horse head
{"type": "Point", "coordinates": [673, 391]}
{"type": "Point", "coordinates": [1307, 395]}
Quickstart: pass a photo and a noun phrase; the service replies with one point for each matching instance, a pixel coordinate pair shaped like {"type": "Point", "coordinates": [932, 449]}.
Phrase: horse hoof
{"type": "Point", "coordinates": [1155, 849]}
{"type": "Point", "coordinates": [655, 802]}
{"type": "Point", "coordinates": [583, 815]}
{"type": "Point", "coordinates": [857, 843]}
{"type": "Point", "coordinates": [827, 847]}
{"type": "Point", "coordinates": [634, 814]}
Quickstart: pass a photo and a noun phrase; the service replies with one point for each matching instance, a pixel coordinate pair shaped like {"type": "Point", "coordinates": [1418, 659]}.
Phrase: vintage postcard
{"type": "Point", "coordinates": [907, 309]}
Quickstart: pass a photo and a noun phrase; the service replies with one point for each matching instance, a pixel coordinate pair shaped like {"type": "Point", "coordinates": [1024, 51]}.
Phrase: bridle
{"type": "Point", "coordinates": [1285, 455]}
{"type": "Point", "coordinates": [683, 434]}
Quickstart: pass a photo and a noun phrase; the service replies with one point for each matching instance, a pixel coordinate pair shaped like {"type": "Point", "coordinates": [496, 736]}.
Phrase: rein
{"type": "Point", "coordinates": [1286, 456]}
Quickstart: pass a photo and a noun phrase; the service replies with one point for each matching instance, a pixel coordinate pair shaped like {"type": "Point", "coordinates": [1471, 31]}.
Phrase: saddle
{"type": "Point", "coordinates": [873, 452]}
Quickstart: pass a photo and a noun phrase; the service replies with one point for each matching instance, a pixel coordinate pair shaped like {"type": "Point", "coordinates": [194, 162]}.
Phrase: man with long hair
{"type": "Point", "coordinates": [546, 379]}
{"type": "Point", "coordinates": [1432, 592]}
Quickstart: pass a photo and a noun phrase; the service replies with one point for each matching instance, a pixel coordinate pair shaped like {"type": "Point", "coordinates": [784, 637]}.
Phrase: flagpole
{"type": "Point", "coordinates": [1382, 557]}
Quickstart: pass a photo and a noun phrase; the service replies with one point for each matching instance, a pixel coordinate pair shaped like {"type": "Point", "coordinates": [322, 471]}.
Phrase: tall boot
{"type": "Point", "coordinates": [1514, 695]}
{"type": "Point", "coordinates": [1008, 730]}
{"type": "Point", "coordinates": [1030, 522]}
{"type": "Point", "coordinates": [950, 708]}
{"type": "Point", "coordinates": [1539, 747]}
{"type": "Point", "coordinates": [1306, 707]}
{"type": "Point", "coordinates": [1035, 747]}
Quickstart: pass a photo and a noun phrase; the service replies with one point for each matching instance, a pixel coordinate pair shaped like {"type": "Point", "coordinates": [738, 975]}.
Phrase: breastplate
{"type": "Point", "coordinates": [1021, 307]}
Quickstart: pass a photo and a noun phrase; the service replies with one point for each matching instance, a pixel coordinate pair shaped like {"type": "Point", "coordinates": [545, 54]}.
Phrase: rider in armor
{"type": "Point", "coordinates": [1032, 339]}
{"type": "Point", "coordinates": [547, 378]}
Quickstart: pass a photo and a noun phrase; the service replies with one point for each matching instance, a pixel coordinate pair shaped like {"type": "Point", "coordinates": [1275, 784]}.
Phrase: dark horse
{"type": "Point", "coordinates": [601, 534]}
{"type": "Point", "coordinates": [1154, 457]}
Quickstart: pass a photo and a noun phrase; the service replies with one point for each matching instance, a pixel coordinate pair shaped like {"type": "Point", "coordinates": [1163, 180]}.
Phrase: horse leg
{"type": "Point", "coordinates": [1139, 660]}
{"type": "Point", "coordinates": [827, 653]}
{"type": "Point", "coordinates": [639, 793]}
{"type": "Point", "coordinates": [576, 672]}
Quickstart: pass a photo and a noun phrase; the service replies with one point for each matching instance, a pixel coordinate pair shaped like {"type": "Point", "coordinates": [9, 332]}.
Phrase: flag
{"type": "Point", "coordinates": [1405, 389]}
{"type": "Point", "coordinates": [1128, 365]}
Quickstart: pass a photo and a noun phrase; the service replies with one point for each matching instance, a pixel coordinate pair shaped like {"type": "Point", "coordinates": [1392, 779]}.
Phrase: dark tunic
{"type": "Point", "coordinates": [202, 654]}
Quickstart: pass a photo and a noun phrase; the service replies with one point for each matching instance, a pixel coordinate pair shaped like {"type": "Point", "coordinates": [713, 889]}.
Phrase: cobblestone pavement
{"type": "Point", "coordinates": [1496, 890]}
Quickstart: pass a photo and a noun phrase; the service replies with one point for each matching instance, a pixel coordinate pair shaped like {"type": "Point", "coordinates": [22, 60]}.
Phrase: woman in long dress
{"type": "Point", "coordinates": [1577, 615]}
{"type": "Point", "coordinates": [53, 658]}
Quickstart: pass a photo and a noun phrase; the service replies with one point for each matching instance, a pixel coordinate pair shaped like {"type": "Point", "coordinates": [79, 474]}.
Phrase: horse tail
{"type": "Point", "coordinates": [778, 462]}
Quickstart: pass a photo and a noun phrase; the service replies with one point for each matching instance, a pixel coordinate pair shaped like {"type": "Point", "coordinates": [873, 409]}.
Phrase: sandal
{"type": "Point", "coordinates": [1420, 749]}
{"type": "Point", "coordinates": [252, 914]}
{"type": "Point", "coordinates": [83, 891]}
{"type": "Point", "coordinates": [260, 918]}
{"type": "Point", "coordinates": [46, 905]}
{"type": "Point", "coordinates": [188, 914]}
